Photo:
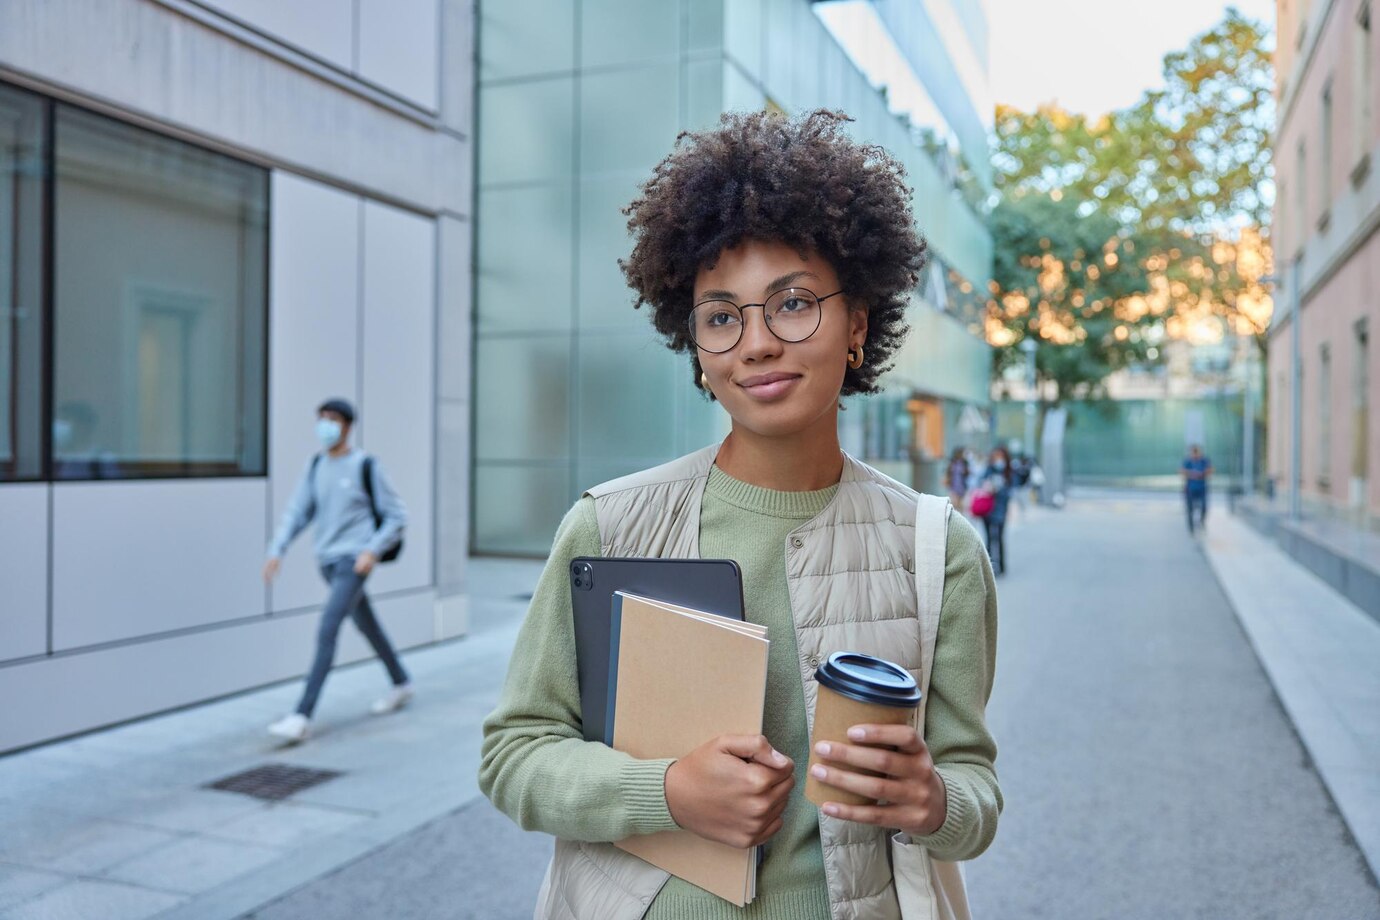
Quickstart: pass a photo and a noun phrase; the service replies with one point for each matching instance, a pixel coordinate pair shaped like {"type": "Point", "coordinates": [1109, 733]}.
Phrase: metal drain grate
{"type": "Point", "coordinates": [274, 781]}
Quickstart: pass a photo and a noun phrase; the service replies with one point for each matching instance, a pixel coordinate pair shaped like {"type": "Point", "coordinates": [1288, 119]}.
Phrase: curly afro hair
{"type": "Point", "coordinates": [801, 181]}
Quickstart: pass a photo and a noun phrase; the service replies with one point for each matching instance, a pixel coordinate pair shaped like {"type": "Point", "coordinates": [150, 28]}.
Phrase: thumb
{"type": "Point", "coordinates": [755, 748]}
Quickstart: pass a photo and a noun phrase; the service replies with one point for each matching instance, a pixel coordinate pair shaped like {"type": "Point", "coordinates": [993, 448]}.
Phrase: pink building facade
{"type": "Point", "coordinates": [1327, 210]}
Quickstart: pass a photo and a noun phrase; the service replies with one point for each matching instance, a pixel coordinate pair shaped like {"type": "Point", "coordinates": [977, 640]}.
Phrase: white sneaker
{"type": "Point", "coordinates": [293, 728]}
{"type": "Point", "coordinates": [396, 699]}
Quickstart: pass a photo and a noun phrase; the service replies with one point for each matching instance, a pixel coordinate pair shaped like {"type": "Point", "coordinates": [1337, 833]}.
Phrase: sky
{"type": "Point", "coordinates": [1093, 56]}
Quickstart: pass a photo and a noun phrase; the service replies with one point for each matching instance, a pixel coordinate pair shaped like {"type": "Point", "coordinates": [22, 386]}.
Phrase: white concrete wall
{"type": "Point", "coordinates": [23, 571]}
{"type": "Point", "coordinates": [156, 598]}
{"type": "Point", "coordinates": [398, 389]}
{"type": "Point", "coordinates": [160, 60]}
{"type": "Point", "coordinates": [324, 28]}
{"type": "Point", "coordinates": [398, 47]}
{"type": "Point", "coordinates": [313, 345]}
{"type": "Point", "coordinates": [135, 559]}
{"type": "Point", "coordinates": [394, 45]}
{"type": "Point", "coordinates": [67, 694]}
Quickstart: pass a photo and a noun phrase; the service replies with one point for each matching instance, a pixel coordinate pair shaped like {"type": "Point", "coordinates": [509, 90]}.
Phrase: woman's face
{"type": "Point", "coordinates": [770, 387]}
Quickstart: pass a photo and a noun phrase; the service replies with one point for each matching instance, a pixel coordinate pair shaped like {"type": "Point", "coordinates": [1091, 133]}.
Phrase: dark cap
{"type": "Point", "coordinates": [340, 407]}
{"type": "Point", "coordinates": [869, 680]}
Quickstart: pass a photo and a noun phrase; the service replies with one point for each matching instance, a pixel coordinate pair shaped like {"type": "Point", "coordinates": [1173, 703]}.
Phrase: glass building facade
{"type": "Point", "coordinates": [578, 100]}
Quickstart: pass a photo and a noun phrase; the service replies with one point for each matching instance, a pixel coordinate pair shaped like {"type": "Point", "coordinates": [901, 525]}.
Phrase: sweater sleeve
{"type": "Point", "coordinates": [536, 766]}
{"type": "Point", "coordinates": [301, 508]}
{"type": "Point", "coordinates": [965, 657]}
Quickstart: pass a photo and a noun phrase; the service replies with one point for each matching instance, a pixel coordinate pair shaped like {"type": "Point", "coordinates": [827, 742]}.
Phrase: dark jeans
{"type": "Point", "coordinates": [996, 542]}
{"type": "Point", "coordinates": [347, 598]}
{"type": "Point", "coordinates": [1196, 500]}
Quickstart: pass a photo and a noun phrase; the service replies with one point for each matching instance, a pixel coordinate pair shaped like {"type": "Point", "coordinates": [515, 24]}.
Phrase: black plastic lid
{"type": "Point", "coordinates": [869, 680]}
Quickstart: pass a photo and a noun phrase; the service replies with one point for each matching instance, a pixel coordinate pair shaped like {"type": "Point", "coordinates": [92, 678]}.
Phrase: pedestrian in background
{"type": "Point", "coordinates": [1020, 476]}
{"type": "Point", "coordinates": [956, 477]}
{"type": "Point", "coordinates": [1196, 469]}
{"type": "Point", "coordinates": [993, 498]}
{"type": "Point", "coordinates": [359, 522]}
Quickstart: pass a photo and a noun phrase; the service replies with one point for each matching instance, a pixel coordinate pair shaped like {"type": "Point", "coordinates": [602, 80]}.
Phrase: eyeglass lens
{"type": "Point", "coordinates": [792, 315]}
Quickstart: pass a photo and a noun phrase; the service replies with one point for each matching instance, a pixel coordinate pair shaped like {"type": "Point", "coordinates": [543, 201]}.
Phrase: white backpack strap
{"type": "Point", "coordinates": [931, 545]}
{"type": "Point", "coordinates": [927, 889]}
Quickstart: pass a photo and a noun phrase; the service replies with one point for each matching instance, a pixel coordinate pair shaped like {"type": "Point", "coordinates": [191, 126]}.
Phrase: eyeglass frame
{"type": "Point", "coordinates": [690, 320]}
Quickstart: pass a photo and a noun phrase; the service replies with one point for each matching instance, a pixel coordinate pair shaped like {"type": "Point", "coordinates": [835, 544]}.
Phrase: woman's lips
{"type": "Point", "coordinates": [771, 387]}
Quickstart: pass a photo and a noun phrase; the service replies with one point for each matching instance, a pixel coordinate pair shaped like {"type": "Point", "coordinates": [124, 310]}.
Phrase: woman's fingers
{"type": "Point", "coordinates": [872, 787]}
{"type": "Point", "coordinates": [902, 737]}
{"type": "Point", "coordinates": [878, 760]}
{"type": "Point", "coordinates": [881, 815]}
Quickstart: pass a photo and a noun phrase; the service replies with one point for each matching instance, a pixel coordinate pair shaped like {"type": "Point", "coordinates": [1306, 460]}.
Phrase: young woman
{"type": "Point", "coordinates": [779, 254]}
{"type": "Point", "coordinates": [998, 480]}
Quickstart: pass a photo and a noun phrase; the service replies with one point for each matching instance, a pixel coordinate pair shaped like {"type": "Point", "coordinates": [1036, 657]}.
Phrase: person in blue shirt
{"type": "Point", "coordinates": [997, 479]}
{"type": "Point", "coordinates": [1196, 470]}
{"type": "Point", "coordinates": [349, 542]}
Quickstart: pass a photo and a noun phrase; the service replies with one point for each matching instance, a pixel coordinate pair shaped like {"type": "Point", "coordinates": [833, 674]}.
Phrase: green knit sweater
{"type": "Point", "coordinates": [539, 771]}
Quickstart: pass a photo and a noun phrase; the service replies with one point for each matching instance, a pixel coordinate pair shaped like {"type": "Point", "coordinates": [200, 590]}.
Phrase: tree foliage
{"type": "Point", "coordinates": [1179, 184]}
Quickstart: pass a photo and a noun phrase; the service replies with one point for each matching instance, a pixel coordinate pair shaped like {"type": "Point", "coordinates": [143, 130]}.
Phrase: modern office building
{"type": "Point", "coordinates": [578, 100]}
{"type": "Point", "coordinates": [1327, 252]}
{"type": "Point", "coordinates": [213, 215]}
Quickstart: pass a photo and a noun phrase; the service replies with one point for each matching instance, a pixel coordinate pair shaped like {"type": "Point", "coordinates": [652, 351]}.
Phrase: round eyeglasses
{"type": "Point", "coordinates": [792, 315]}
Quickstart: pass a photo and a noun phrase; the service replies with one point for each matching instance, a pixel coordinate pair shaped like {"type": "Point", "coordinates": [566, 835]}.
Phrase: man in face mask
{"type": "Point", "coordinates": [349, 539]}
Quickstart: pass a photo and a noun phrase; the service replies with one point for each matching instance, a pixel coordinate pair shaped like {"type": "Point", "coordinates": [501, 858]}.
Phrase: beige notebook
{"type": "Point", "coordinates": [683, 677]}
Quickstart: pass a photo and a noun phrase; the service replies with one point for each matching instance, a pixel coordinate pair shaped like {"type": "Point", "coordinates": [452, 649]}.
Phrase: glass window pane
{"type": "Point", "coordinates": [159, 305]}
{"type": "Point", "coordinates": [22, 155]}
{"type": "Point", "coordinates": [517, 508]}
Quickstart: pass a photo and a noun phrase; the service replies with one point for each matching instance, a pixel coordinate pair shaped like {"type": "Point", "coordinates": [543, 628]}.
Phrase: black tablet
{"type": "Point", "coordinates": [711, 585]}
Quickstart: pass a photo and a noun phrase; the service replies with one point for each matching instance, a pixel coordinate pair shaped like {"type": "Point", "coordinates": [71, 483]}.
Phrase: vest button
{"type": "Point", "coordinates": [797, 542]}
{"type": "Point", "coordinates": [814, 662]}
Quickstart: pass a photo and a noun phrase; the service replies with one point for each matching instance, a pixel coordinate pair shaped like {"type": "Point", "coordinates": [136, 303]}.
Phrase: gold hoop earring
{"type": "Point", "coordinates": [853, 362]}
{"type": "Point", "coordinates": [704, 381]}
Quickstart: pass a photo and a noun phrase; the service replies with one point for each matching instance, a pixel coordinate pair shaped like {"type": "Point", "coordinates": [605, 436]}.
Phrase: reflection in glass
{"type": "Point", "coordinates": [159, 305]}
{"type": "Point", "coordinates": [22, 155]}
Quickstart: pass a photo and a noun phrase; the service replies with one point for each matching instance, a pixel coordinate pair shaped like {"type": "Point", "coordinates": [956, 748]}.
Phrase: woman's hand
{"type": "Point", "coordinates": [731, 789]}
{"type": "Point", "coordinates": [910, 794]}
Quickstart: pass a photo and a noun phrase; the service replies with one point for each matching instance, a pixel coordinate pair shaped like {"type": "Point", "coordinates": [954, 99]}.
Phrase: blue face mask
{"type": "Point", "coordinates": [328, 432]}
{"type": "Point", "coordinates": [999, 465]}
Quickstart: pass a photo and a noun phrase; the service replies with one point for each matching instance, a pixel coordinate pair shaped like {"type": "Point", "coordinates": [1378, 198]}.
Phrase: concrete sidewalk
{"type": "Point", "coordinates": [1320, 650]}
{"type": "Point", "coordinates": [118, 824]}
{"type": "Point", "coordinates": [1322, 654]}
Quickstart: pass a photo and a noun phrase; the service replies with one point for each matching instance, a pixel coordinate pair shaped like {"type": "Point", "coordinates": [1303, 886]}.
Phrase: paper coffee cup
{"type": "Point", "coordinates": [856, 689]}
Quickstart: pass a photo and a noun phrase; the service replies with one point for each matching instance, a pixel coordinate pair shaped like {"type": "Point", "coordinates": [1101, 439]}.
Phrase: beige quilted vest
{"type": "Point", "coordinates": [852, 586]}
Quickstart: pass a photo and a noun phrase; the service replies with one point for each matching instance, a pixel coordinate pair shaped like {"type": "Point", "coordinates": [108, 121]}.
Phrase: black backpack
{"type": "Point", "coordinates": [394, 551]}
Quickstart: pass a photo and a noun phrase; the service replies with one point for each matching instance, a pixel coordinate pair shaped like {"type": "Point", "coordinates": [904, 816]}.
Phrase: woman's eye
{"type": "Point", "coordinates": [792, 304]}
{"type": "Point", "coordinates": [721, 318]}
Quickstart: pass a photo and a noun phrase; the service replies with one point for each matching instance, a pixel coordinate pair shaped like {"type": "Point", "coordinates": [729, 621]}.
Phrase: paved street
{"type": "Point", "coordinates": [1148, 767]}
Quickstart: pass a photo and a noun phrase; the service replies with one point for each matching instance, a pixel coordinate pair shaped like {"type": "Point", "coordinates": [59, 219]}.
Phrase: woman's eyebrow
{"type": "Point", "coordinates": [788, 280]}
{"type": "Point", "coordinates": [784, 281]}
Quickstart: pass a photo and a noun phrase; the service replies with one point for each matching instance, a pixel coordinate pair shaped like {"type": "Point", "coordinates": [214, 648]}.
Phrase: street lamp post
{"type": "Point", "coordinates": [1028, 346]}
{"type": "Point", "coordinates": [1296, 371]}
{"type": "Point", "coordinates": [1248, 426]}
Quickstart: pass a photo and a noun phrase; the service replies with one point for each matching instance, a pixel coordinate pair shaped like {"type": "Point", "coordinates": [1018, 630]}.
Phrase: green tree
{"type": "Point", "coordinates": [1072, 283]}
{"type": "Point", "coordinates": [1184, 175]}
